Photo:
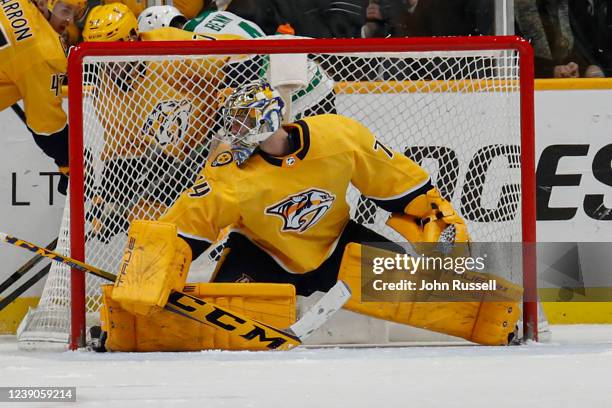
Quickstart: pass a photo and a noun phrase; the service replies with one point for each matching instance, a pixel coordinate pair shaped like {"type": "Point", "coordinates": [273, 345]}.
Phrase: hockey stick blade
{"type": "Point", "coordinates": [322, 311]}
{"type": "Point", "coordinates": [194, 308]}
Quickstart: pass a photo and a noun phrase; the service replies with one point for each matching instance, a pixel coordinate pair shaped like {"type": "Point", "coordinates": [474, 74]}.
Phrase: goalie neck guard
{"type": "Point", "coordinates": [251, 114]}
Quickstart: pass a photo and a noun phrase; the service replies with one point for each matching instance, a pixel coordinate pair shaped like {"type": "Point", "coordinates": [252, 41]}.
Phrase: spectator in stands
{"type": "Point", "coordinates": [382, 19]}
{"type": "Point", "coordinates": [592, 29]}
{"type": "Point", "coordinates": [309, 18]}
{"type": "Point", "coordinates": [345, 18]}
{"type": "Point", "coordinates": [327, 18]}
{"type": "Point", "coordinates": [264, 13]}
{"type": "Point", "coordinates": [546, 23]}
{"type": "Point", "coordinates": [417, 18]}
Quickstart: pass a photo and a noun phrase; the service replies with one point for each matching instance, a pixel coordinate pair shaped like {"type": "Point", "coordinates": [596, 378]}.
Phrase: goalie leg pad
{"type": "Point", "coordinates": [487, 322]}
{"type": "Point", "coordinates": [155, 262]}
{"type": "Point", "coordinates": [269, 303]}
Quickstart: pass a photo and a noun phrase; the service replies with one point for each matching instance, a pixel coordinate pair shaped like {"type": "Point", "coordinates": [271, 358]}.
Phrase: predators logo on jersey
{"type": "Point", "coordinates": [168, 121]}
{"type": "Point", "coordinates": [303, 210]}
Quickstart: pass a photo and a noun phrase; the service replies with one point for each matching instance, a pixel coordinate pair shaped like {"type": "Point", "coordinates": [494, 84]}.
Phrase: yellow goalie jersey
{"type": "Point", "coordinates": [294, 207]}
{"type": "Point", "coordinates": [167, 103]}
{"type": "Point", "coordinates": [32, 66]}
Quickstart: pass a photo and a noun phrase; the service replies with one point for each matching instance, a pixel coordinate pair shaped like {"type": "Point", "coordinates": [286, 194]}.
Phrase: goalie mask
{"type": "Point", "coordinates": [251, 114]}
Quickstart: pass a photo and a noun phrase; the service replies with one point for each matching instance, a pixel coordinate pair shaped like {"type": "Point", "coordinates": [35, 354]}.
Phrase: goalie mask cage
{"type": "Point", "coordinates": [142, 116]}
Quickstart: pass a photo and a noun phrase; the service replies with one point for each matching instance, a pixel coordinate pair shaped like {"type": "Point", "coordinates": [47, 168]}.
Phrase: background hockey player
{"type": "Point", "coordinates": [196, 81]}
{"type": "Point", "coordinates": [160, 128]}
{"type": "Point", "coordinates": [33, 67]}
{"type": "Point", "coordinates": [62, 13]}
{"type": "Point", "coordinates": [317, 97]}
{"type": "Point", "coordinates": [155, 17]}
{"type": "Point", "coordinates": [283, 189]}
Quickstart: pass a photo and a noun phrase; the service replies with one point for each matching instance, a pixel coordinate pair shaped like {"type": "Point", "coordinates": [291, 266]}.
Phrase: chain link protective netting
{"type": "Point", "coordinates": [148, 123]}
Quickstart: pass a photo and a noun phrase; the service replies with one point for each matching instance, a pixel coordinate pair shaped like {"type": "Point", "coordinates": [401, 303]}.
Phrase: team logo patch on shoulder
{"type": "Point", "coordinates": [303, 210]}
{"type": "Point", "coordinates": [222, 159]}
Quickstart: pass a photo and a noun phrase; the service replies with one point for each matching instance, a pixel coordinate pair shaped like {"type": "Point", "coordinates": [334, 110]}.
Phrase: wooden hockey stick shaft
{"type": "Point", "coordinates": [212, 315]}
{"type": "Point", "coordinates": [27, 285]}
{"type": "Point", "coordinates": [25, 268]}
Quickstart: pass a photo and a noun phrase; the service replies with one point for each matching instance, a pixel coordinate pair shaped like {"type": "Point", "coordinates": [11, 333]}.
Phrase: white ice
{"type": "Point", "coordinates": [574, 370]}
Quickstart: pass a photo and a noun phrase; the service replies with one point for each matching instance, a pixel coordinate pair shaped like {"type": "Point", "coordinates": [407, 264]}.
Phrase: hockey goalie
{"type": "Point", "coordinates": [282, 190]}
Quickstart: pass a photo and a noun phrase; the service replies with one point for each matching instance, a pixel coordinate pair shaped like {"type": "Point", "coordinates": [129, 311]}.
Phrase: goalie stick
{"type": "Point", "coordinates": [221, 318]}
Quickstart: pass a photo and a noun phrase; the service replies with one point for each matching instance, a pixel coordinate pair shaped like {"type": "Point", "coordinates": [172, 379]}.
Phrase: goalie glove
{"type": "Point", "coordinates": [430, 218]}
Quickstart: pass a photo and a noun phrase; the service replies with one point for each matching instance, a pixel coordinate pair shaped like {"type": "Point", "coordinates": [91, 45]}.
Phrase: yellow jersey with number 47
{"type": "Point", "coordinates": [32, 66]}
{"type": "Point", "coordinates": [294, 207]}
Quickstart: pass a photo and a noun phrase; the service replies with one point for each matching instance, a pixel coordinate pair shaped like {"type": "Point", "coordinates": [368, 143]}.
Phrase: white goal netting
{"type": "Point", "coordinates": [148, 122]}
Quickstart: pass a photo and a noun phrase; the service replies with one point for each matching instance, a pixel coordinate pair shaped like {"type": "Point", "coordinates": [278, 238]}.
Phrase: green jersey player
{"type": "Point", "coordinates": [316, 98]}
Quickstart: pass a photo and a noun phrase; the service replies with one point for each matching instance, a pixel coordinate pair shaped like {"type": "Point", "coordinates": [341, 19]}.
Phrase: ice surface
{"type": "Point", "coordinates": [574, 370]}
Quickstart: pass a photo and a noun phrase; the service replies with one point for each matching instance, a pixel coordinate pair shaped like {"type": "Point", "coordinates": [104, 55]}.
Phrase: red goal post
{"type": "Point", "coordinates": [394, 46]}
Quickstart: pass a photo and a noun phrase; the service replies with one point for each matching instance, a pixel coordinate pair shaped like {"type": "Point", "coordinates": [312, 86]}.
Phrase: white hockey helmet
{"type": "Point", "coordinates": [160, 16]}
{"type": "Point", "coordinates": [251, 114]}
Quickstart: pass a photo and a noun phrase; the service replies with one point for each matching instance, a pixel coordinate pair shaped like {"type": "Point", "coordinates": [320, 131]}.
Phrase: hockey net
{"type": "Point", "coordinates": [142, 116]}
